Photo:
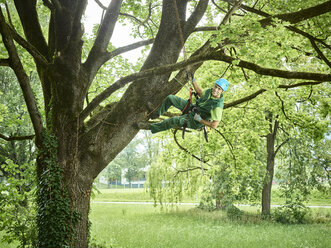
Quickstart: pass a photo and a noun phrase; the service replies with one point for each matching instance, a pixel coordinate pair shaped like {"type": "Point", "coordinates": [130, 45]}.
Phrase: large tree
{"type": "Point", "coordinates": [74, 143]}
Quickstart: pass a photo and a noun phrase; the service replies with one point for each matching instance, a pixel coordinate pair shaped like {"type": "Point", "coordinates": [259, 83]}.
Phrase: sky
{"type": "Point", "coordinates": [121, 33]}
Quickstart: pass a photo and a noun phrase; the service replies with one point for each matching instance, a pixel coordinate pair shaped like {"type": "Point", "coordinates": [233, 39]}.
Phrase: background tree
{"type": "Point", "coordinates": [75, 143]}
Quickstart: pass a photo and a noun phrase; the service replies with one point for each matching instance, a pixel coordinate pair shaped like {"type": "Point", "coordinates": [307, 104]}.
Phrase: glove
{"type": "Point", "coordinates": [197, 117]}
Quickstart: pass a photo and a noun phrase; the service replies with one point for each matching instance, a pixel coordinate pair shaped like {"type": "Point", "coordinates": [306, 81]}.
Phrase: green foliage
{"type": "Point", "coordinates": [57, 219]}
{"type": "Point", "coordinates": [18, 205]}
{"type": "Point", "coordinates": [14, 120]}
{"type": "Point", "coordinates": [292, 213]}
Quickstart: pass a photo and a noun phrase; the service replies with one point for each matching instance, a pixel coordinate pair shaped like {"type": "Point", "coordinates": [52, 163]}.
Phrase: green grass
{"type": "Point", "coordinates": [141, 195]}
{"type": "Point", "coordinates": [126, 225]}
{"type": "Point", "coordinates": [137, 226]}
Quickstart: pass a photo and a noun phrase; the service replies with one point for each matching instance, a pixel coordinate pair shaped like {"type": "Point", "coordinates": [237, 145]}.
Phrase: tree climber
{"type": "Point", "coordinates": [208, 109]}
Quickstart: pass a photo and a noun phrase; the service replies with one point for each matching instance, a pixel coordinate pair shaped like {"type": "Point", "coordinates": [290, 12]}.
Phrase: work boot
{"type": "Point", "coordinates": [144, 125]}
{"type": "Point", "coordinates": [152, 111]}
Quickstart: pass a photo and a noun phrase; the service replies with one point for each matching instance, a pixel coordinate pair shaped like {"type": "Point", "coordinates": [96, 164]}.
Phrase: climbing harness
{"type": "Point", "coordinates": [190, 107]}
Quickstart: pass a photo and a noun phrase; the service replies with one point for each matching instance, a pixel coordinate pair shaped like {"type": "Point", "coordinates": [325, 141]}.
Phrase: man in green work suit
{"type": "Point", "coordinates": [209, 108]}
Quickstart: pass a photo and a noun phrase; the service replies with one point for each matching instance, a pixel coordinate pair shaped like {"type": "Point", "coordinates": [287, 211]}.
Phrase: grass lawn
{"type": "Point", "coordinates": [124, 225]}
{"type": "Point", "coordinates": [139, 225]}
{"type": "Point", "coordinates": [141, 195]}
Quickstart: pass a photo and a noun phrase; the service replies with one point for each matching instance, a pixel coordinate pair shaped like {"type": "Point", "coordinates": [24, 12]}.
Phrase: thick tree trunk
{"type": "Point", "coordinates": [72, 155]}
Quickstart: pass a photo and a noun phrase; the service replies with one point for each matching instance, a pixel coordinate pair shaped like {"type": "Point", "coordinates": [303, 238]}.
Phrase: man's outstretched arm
{"type": "Point", "coordinates": [197, 88]}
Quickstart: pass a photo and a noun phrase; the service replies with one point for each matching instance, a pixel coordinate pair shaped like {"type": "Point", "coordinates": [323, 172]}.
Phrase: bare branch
{"type": "Point", "coordinates": [105, 33]}
{"type": "Point", "coordinates": [26, 137]}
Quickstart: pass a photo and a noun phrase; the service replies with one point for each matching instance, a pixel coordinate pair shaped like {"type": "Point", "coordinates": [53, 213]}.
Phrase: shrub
{"type": "Point", "coordinates": [17, 202]}
{"type": "Point", "coordinates": [292, 213]}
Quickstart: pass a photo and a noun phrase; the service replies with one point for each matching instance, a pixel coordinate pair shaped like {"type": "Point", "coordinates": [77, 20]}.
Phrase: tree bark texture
{"type": "Point", "coordinates": [271, 138]}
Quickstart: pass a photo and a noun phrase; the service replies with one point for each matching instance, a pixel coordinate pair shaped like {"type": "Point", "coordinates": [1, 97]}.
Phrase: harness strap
{"type": "Point", "coordinates": [189, 107]}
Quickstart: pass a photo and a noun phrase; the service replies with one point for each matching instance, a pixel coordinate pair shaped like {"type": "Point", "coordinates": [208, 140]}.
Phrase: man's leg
{"type": "Point", "coordinates": [177, 121]}
{"type": "Point", "coordinates": [171, 100]}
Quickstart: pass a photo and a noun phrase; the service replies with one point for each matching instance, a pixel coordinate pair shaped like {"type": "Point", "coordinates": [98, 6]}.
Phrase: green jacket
{"type": "Point", "coordinates": [206, 103]}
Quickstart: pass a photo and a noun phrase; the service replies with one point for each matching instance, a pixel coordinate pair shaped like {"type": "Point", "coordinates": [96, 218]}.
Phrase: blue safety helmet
{"type": "Point", "coordinates": [223, 83]}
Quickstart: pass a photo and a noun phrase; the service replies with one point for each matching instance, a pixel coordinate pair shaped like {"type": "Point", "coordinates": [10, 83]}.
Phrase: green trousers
{"type": "Point", "coordinates": [177, 121]}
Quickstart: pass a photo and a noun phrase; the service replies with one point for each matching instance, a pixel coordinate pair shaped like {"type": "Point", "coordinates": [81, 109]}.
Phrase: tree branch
{"type": "Point", "coordinates": [306, 14]}
{"type": "Point", "coordinates": [105, 32]}
{"type": "Point", "coordinates": [101, 5]}
{"type": "Point", "coordinates": [109, 55]}
{"type": "Point", "coordinates": [319, 52]}
{"type": "Point", "coordinates": [292, 28]}
{"type": "Point", "coordinates": [29, 48]}
{"type": "Point", "coordinates": [293, 17]}
{"type": "Point", "coordinates": [195, 17]}
{"type": "Point", "coordinates": [32, 30]}
{"type": "Point", "coordinates": [230, 12]}
{"type": "Point", "coordinates": [189, 169]}
{"type": "Point", "coordinates": [122, 14]}
{"type": "Point", "coordinates": [26, 137]}
{"type": "Point", "coordinates": [23, 80]}
{"type": "Point", "coordinates": [229, 145]}
{"type": "Point", "coordinates": [278, 148]}
{"type": "Point", "coordinates": [245, 99]}
{"type": "Point", "coordinates": [127, 48]}
{"type": "Point", "coordinates": [48, 4]}
{"type": "Point", "coordinates": [202, 29]}
{"type": "Point", "coordinates": [217, 55]}
{"type": "Point", "coordinates": [259, 92]}
{"type": "Point", "coordinates": [218, 7]}
{"type": "Point", "coordinates": [4, 62]}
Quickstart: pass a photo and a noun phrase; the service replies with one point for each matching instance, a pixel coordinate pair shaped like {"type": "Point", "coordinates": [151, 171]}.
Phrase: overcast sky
{"type": "Point", "coordinates": [121, 33]}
